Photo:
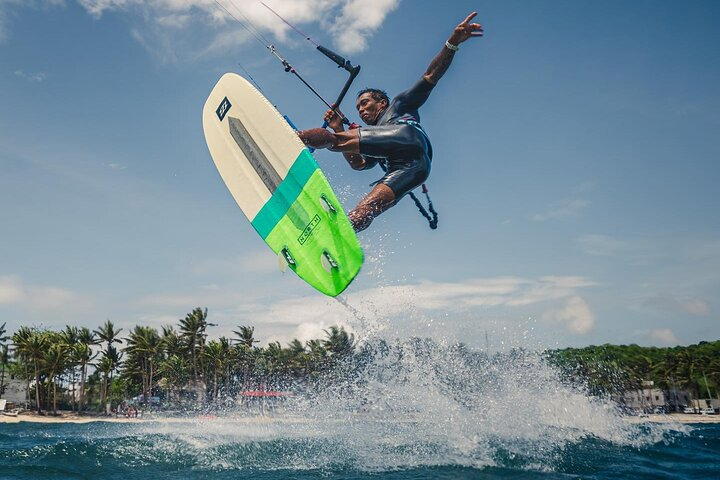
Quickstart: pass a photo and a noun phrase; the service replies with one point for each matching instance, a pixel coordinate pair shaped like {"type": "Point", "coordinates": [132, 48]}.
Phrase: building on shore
{"type": "Point", "coordinates": [677, 400]}
{"type": "Point", "coordinates": [14, 391]}
{"type": "Point", "coordinates": [645, 400]}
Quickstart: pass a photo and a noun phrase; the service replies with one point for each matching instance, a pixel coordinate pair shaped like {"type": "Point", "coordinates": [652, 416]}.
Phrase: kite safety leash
{"type": "Point", "coordinates": [431, 217]}
{"type": "Point", "coordinates": [432, 221]}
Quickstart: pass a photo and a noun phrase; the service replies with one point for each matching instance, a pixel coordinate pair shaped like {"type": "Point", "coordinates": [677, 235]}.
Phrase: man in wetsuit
{"type": "Point", "coordinates": [393, 136]}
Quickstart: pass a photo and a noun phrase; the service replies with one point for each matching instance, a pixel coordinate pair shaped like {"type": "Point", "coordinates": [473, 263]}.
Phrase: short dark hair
{"type": "Point", "coordinates": [376, 94]}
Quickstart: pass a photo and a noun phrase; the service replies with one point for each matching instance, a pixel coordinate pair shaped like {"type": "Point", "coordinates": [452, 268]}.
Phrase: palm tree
{"type": "Point", "coordinates": [175, 371]}
{"type": "Point", "coordinates": [298, 359]}
{"type": "Point", "coordinates": [110, 362]}
{"type": "Point", "coordinates": [69, 337]}
{"type": "Point", "coordinates": [246, 336]}
{"type": "Point", "coordinates": [339, 343]}
{"type": "Point", "coordinates": [83, 354]}
{"type": "Point", "coordinates": [3, 337]}
{"type": "Point", "coordinates": [107, 333]}
{"type": "Point", "coordinates": [216, 354]}
{"type": "Point", "coordinates": [144, 349]}
{"type": "Point", "coordinates": [246, 341]}
{"type": "Point", "coordinates": [172, 342]}
{"type": "Point", "coordinates": [21, 337]}
{"type": "Point", "coordinates": [55, 359]}
{"type": "Point", "coordinates": [4, 357]}
{"type": "Point", "coordinates": [687, 371]}
{"type": "Point", "coordinates": [103, 367]}
{"type": "Point", "coordinates": [192, 330]}
{"type": "Point", "coordinates": [32, 345]}
{"type": "Point", "coordinates": [4, 361]}
{"type": "Point", "coordinates": [317, 355]}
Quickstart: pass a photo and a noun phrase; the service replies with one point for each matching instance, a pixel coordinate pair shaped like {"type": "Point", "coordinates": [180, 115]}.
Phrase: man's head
{"type": "Point", "coordinates": [371, 103]}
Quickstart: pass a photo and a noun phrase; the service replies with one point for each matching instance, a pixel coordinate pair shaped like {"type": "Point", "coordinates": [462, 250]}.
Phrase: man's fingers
{"type": "Point", "coordinates": [476, 30]}
{"type": "Point", "coordinates": [469, 17]}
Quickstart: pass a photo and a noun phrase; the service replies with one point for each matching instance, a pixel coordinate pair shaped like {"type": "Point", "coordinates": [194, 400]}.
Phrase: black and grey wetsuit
{"type": "Point", "coordinates": [398, 141]}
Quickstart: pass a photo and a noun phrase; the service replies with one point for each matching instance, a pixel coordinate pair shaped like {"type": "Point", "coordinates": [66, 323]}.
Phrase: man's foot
{"type": "Point", "coordinates": [318, 138]}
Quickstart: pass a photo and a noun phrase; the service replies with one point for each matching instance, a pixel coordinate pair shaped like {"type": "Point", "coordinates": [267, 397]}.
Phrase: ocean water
{"type": "Point", "coordinates": [274, 449]}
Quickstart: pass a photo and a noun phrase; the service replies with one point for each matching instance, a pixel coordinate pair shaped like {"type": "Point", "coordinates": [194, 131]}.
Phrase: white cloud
{"type": "Point", "coordinates": [667, 302]}
{"type": "Point", "coordinates": [359, 20]}
{"type": "Point", "coordinates": [31, 298]}
{"type": "Point", "coordinates": [575, 315]}
{"type": "Point", "coordinates": [425, 308]}
{"type": "Point", "coordinates": [97, 7]}
{"type": "Point", "coordinates": [350, 22]}
{"type": "Point", "coordinates": [10, 290]}
{"type": "Point", "coordinates": [258, 262]}
{"type": "Point", "coordinates": [304, 317]}
{"type": "Point", "coordinates": [31, 77]}
{"type": "Point", "coordinates": [664, 335]}
{"type": "Point", "coordinates": [696, 307]}
{"type": "Point", "coordinates": [565, 208]}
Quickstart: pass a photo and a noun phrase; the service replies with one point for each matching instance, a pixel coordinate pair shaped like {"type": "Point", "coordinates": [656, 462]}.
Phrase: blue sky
{"type": "Point", "coordinates": [575, 169]}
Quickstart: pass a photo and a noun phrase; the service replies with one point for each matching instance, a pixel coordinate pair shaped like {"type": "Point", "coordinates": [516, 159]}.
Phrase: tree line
{"type": "Point", "coordinates": [81, 369]}
{"type": "Point", "coordinates": [613, 369]}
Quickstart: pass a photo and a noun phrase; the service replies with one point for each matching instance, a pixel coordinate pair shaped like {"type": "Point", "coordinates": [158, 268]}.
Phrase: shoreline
{"type": "Point", "coordinates": [66, 417]}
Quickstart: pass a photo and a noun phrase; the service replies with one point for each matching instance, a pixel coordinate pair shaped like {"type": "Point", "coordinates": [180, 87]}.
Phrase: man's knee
{"type": "Point", "coordinates": [376, 202]}
{"type": "Point", "coordinates": [361, 217]}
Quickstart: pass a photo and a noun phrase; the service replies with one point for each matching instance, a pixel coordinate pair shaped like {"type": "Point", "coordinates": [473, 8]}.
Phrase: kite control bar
{"type": "Point", "coordinates": [341, 62]}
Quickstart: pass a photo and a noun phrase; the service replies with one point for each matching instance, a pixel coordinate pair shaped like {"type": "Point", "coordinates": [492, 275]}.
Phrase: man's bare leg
{"type": "Point", "coordinates": [376, 202]}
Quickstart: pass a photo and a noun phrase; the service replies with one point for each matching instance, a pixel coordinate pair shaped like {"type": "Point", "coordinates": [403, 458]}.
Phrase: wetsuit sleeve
{"type": "Point", "coordinates": [415, 97]}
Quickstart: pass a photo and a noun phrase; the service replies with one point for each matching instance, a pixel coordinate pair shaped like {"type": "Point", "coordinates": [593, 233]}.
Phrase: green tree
{"type": "Point", "coordinates": [55, 359]}
{"type": "Point", "coordinates": [4, 357]}
{"type": "Point", "coordinates": [176, 372]}
{"type": "Point", "coordinates": [32, 345]}
{"type": "Point", "coordinates": [70, 338]}
{"type": "Point", "coordinates": [4, 362]}
{"type": "Point", "coordinates": [338, 342]}
{"type": "Point", "coordinates": [246, 354]}
{"type": "Point", "coordinates": [108, 334]}
{"type": "Point", "coordinates": [144, 349]}
{"type": "Point", "coordinates": [192, 330]}
{"type": "Point", "coordinates": [109, 362]}
{"type": "Point", "coordinates": [217, 354]}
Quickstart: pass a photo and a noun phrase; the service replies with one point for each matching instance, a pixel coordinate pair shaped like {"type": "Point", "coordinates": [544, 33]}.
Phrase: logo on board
{"type": "Point", "coordinates": [309, 229]}
{"type": "Point", "coordinates": [223, 108]}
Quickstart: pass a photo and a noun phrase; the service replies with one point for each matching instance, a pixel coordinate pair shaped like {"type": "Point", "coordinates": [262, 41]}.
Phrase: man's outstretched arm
{"type": "Point", "coordinates": [441, 62]}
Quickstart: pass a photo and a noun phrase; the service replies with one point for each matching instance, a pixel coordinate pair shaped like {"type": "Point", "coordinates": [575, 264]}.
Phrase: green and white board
{"type": "Point", "coordinates": [276, 182]}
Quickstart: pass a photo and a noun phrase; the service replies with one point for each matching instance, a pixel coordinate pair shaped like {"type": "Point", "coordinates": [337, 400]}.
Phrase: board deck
{"type": "Point", "coordinates": [277, 183]}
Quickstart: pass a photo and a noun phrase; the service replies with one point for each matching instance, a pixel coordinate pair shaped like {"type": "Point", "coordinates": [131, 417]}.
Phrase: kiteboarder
{"type": "Point", "coordinates": [393, 137]}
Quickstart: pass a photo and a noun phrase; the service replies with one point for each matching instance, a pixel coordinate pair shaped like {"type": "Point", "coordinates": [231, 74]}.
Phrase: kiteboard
{"type": "Point", "coordinates": [277, 183]}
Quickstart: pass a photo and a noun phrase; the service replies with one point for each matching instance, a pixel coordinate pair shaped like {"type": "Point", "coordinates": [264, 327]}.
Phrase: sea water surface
{"type": "Point", "coordinates": [275, 449]}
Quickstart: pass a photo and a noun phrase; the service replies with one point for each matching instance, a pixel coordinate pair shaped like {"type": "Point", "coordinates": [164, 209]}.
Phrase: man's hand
{"type": "Point", "coordinates": [465, 30]}
{"type": "Point", "coordinates": [334, 120]}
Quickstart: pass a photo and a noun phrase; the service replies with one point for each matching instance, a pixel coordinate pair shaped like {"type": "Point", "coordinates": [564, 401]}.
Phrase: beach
{"type": "Point", "coordinates": [67, 417]}
{"type": "Point", "coordinates": [64, 418]}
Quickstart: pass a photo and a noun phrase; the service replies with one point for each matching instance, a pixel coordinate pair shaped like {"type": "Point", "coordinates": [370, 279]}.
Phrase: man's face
{"type": "Point", "coordinates": [369, 108]}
